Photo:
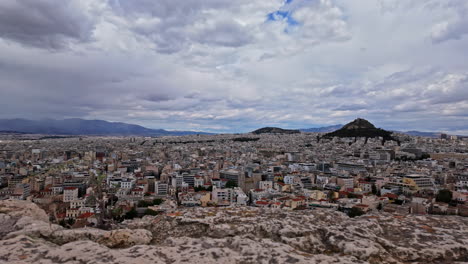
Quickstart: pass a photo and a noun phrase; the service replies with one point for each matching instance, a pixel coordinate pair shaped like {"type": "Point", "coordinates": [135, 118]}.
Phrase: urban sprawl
{"type": "Point", "coordinates": [101, 181]}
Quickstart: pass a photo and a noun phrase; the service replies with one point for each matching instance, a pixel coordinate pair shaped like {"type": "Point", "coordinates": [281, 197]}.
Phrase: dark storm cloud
{"type": "Point", "coordinates": [46, 24]}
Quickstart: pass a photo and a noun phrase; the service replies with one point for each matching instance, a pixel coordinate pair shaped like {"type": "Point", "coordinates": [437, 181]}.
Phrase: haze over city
{"type": "Point", "coordinates": [234, 66]}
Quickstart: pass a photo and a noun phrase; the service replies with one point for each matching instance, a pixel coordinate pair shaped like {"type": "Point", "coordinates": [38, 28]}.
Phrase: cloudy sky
{"type": "Point", "coordinates": [218, 65]}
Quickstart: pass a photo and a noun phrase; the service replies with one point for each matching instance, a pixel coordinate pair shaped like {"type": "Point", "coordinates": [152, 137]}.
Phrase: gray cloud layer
{"type": "Point", "coordinates": [230, 66]}
{"type": "Point", "coordinates": [45, 23]}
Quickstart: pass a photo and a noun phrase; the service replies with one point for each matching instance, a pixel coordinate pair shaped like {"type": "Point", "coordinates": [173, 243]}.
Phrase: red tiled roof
{"type": "Point", "coordinates": [361, 205]}
{"type": "Point", "coordinates": [85, 215]}
{"type": "Point", "coordinates": [390, 195]}
{"type": "Point", "coordinates": [61, 215]}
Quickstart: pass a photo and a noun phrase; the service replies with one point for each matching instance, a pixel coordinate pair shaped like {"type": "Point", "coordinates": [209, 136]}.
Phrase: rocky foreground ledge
{"type": "Point", "coordinates": [235, 235]}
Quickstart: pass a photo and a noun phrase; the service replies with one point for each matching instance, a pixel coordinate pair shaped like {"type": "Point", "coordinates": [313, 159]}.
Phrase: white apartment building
{"type": "Point", "coordinates": [70, 194]}
{"type": "Point", "coordinates": [265, 185]}
{"type": "Point", "coordinates": [161, 188]}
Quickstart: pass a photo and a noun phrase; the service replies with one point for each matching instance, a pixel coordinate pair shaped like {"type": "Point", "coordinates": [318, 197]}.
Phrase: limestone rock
{"type": "Point", "coordinates": [18, 209]}
{"type": "Point", "coordinates": [240, 235]}
{"type": "Point", "coordinates": [21, 218]}
{"type": "Point", "coordinates": [123, 238]}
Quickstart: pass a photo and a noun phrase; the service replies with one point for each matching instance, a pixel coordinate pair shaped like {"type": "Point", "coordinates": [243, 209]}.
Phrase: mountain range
{"type": "Point", "coordinates": [325, 129]}
{"type": "Point", "coordinates": [421, 134]}
{"type": "Point", "coordinates": [77, 126]}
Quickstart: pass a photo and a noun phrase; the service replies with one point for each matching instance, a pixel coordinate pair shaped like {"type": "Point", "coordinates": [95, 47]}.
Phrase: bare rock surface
{"type": "Point", "coordinates": [17, 209]}
{"type": "Point", "coordinates": [20, 218]}
{"type": "Point", "coordinates": [238, 235]}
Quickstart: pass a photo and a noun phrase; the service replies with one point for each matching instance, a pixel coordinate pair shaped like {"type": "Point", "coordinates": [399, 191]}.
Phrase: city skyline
{"type": "Point", "coordinates": [218, 66]}
{"type": "Point", "coordinates": [79, 126]}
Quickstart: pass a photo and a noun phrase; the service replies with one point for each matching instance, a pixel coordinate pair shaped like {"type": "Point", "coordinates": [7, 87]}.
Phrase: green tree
{"type": "Point", "coordinates": [68, 223]}
{"type": "Point", "coordinates": [144, 203]}
{"type": "Point", "coordinates": [116, 214]}
{"type": "Point", "coordinates": [425, 156]}
{"type": "Point", "coordinates": [231, 184]}
{"type": "Point", "coordinates": [158, 201]}
{"type": "Point", "coordinates": [379, 206]}
{"type": "Point", "coordinates": [374, 189]}
{"type": "Point", "coordinates": [444, 196]}
{"type": "Point", "coordinates": [151, 212]}
{"type": "Point", "coordinates": [131, 214]}
{"type": "Point", "coordinates": [355, 212]}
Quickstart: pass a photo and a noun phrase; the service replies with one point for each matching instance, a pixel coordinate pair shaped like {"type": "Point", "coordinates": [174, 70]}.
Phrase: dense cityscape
{"type": "Point", "coordinates": [100, 181]}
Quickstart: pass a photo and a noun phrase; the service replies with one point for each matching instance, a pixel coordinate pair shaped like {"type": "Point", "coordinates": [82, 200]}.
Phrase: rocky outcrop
{"type": "Point", "coordinates": [18, 209]}
{"type": "Point", "coordinates": [382, 238]}
{"type": "Point", "coordinates": [247, 235]}
{"type": "Point", "coordinates": [360, 128]}
{"type": "Point", "coordinates": [20, 218]}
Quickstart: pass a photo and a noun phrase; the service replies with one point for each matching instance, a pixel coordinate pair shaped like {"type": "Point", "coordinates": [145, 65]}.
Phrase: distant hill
{"type": "Point", "coordinates": [77, 126]}
{"type": "Point", "coordinates": [321, 129]}
{"type": "Point", "coordinates": [422, 134]}
{"type": "Point", "coordinates": [360, 128]}
{"type": "Point", "coordinates": [428, 134]}
{"type": "Point", "coordinates": [275, 130]}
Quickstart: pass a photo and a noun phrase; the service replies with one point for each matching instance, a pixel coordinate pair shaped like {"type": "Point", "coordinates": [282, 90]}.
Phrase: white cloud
{"type": "Point", "coordinates": [224, 66]}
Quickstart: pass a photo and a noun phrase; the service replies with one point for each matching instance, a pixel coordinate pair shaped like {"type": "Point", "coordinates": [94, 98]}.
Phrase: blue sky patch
{"type": "Point", "coordinates": [282, 15]}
